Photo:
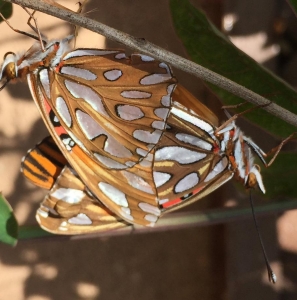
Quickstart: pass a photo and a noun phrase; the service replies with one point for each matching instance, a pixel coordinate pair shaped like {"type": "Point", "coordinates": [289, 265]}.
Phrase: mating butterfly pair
{"type": "Point", "coordinates": [133, 140]}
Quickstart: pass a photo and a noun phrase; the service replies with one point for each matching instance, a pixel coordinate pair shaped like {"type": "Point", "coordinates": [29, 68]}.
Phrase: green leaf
{"type": "Point", "coordinates": [31, 232]}
{"type": "Point", "coordinates": [208, 47]}
{"type": "Point", "coordinates": [8, 223]}
{"type": "Point", "coordinates": [280, 178]}
{"type": "Point", "coordinates": [5, 9]}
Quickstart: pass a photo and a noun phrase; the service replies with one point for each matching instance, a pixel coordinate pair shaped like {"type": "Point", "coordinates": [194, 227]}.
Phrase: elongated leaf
{"type": "Point", "coordinates": [209, 48]}
{"type": "Point", "coordinates": [8, 223]}
{"type": "Point", "coordinates": [280, 177]}
{"type": "Point", "coordinates": [31, 232]}
{"type": "Point", "coordinates": [5, 9]}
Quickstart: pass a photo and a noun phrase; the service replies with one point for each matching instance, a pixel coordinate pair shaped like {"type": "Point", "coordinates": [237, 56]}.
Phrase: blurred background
{"type": "Point", "coordinates": [222, 261]}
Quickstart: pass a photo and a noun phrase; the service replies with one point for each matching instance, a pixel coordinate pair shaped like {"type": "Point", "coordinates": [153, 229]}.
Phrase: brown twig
{"type": "Point", "coordinates": [161, 54]}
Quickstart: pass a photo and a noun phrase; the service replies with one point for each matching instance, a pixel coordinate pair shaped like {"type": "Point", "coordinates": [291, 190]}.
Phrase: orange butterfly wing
{"type": "Point", "coordinates": [68, 208]}
{"type": "Point", "coordinates": [112, 111]}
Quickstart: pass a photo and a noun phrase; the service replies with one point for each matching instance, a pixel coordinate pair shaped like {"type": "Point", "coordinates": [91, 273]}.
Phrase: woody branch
{"type": "Point", "coordinates": [158, 53]}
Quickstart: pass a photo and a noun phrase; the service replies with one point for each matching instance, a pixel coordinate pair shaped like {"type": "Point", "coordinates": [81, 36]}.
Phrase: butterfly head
{"type": "Point", "coordinates": [9, 69]}
{"type": "Point", "coordinates": [18, 66]}
{"type": "Point", "coordinates": [254, 179]}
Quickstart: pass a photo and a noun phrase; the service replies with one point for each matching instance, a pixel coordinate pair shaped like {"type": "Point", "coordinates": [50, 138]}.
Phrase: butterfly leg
{"type": "Point", "coordinates": [19, 31]}
{"type": "Point", "coordinates": [35, 27]}
{"type": "Point", "coordinates": [234, 117]}
{"type": "Point", "coordinates": [79, 11]}
{"type": "Point", "coordinates": [275, 151]}
{"type": "Point", "coordinates": [234, 106]}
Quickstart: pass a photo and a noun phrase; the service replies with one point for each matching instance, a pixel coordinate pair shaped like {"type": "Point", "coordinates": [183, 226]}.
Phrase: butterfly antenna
{"type": "Point", "coordinates": [18, 31]}
{"type": "Point", "coordinates": [3, 85]}
{"type": "Point", "coordinates": [271, 275]}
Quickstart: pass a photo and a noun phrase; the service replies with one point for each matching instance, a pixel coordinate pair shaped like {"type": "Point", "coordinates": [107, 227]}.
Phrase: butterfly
{"type": "Point", "coordinates": [68, 208]}
{"type": "Point", "coordinates": [141, 145]}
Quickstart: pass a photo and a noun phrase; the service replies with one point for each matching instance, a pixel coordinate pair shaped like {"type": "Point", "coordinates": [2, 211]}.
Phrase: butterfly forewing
{"type": "Point", "coordinates": [116, 107]}
{"type": "Point", "coordinates": [107, 113]}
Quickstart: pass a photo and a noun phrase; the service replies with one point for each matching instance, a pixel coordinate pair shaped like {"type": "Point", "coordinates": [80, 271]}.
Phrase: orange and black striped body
{"type": "Point", "coordinates": [43, 164]}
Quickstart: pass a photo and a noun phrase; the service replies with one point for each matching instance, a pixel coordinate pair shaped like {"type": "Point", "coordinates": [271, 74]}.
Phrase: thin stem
{"type": "Point", "coordinates": [176, 221]}
{"type": "Point", "coordinates": [161, 54]}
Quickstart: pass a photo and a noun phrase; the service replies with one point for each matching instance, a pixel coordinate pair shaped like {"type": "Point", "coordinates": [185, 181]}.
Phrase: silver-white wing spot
{"type": "Point", "coordinates": [120, 56]}
{"type": "Point", "coordinates": [151, 218]}
{"type": "Point", "coordinates": [63, 227]}
{"type": "Point", "coordinates": [166, 100]}
{"type": "Point", "coordinates": [133, 94]}
{"type": "Point", "coordinates": [145, 57]}
{"type": "Point", "coordinates": [68, 143]}
{"type": "Point", "coordinates": [218, 168]}
{"type": "Point", "coordinates": [63, 111]}
{"type": "Point", "coordinates": [127, 216]}
{"type": "Point", "coordinates": [110, 163]}
{"type": "Point", "coordinates": [77, 72]}
{"type": "Point", "coordinates": [126, 210]}
{"type": "Point", "coordinates": [138, 182]}
{"type": "Point", "coordinates": [179, 154]}
{"type": "Point", "coordinates": [158, 125]}
{"type": "Point", "coordinates": [44, 79]}
{"type": "Point", "coordinates": [164, 66]}
{"type": "Point", "coordinates": [147, 137]}
{"type": "Point", "coordinates": [193, 140]}
{"type": "Point", "coordinates": [68, 195]}
{"type": "Point", "coordinates": [129, 112]}
{"type": "Point", "coordinates": [80, 219]}
{"type": "Point", "coordinates": [115, 195]}
{"type": "Point", "coordinates": [78, 142]}
{"type": "Point", "coordinates": [92, 129]}
{"type": "Point", "coordinates": [113, 75]}
{"type": "Point", "coordinates": [89, 126]}
{"type": "Point", "coordinates": [187, 183]}
{"type": "Point", "coordinates": [130, 163]}
{"type": "Point", "coordinates": [162, 201]}
{"type": "Point", "coordinates": [141, 152]}
{"type": "Point", "coordinates": [192, 119]}
{"type": "Point", "coordinates": [146, 163]}
{"type": "Point", "coordinates": [150, 157]}
{"type": "Point", "coordinates": [161, 113]}
{"type": "Point", "coordinates": [149, 208]}
{"type": "Point", "coordinates": [238, 155]}
{"type": "Point", "coordinates": [81, 91]}
{"type": "Point", "coordinates": [87, 52]}
{"type": "Point", "coordinates": [161, 178]}
{"type": "Point", "coordinates": [44, 212]}
{"type": "Point", "coordinates": [156, 78]}
{"type": "Point", "coordinates": [126, 213]}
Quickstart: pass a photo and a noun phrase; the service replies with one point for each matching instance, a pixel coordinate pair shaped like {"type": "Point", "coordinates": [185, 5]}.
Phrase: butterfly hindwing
{"type": "Point", "coordinates": [68, 207]}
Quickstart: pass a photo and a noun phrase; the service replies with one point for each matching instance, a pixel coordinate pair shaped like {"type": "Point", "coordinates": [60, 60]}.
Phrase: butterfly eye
{"type": "Point", "coordinates": [9, 69]}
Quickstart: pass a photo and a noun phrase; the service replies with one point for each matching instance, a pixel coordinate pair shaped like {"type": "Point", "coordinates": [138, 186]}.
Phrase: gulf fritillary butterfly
{"type": "Point", "coordinates": [68, 207]}
{"type": "Point", "coordinates": [136, 150]}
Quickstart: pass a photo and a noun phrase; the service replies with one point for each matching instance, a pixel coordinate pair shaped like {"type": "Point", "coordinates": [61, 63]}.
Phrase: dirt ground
{"type": "Point", "coordinates": [210, 262]}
